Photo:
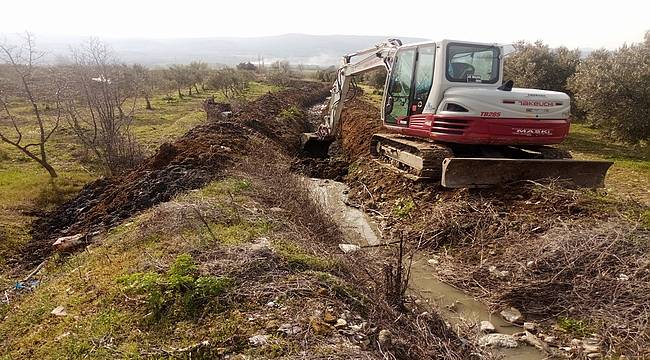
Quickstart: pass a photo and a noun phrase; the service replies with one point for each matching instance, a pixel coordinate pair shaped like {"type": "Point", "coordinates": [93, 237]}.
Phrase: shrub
{"type": "Point", "coordinates": [613, 89]}
{"type": "Point", "coordinates": [180, 292]}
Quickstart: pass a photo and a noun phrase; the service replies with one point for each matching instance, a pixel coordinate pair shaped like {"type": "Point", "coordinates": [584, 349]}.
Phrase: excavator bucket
{"type": "Point", "coordinates": [312, 144]}
{"type": "Point", "coordinates": [484, 172]}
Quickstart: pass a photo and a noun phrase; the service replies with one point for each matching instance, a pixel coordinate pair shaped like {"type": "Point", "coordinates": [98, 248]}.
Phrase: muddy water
{"type": "Point", "coordinates": [454, 305]}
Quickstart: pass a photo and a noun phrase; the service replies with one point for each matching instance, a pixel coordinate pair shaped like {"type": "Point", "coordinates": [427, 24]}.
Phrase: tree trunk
{"type": "Point", "coordinates": [196, 87]}
{"type": "Point", "coordinates": [146, 98]}
{"type": "Point", "coordinates": [180, 94]}
{"type": "Point", "coordinates": [50, 170]}
{"type": "Point", "coordinates": [190, 91]}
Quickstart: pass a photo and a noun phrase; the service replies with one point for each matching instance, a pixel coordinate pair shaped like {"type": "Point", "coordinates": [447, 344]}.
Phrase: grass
{"type": "Point", "coordinates": [630, 174]}
{"type": "Point", "coordinates": [300, 259]}
{"type": "Point", "coordinates": [574, 327]}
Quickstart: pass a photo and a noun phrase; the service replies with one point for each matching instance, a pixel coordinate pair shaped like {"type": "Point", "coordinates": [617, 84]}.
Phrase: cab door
{"type": "Point", "coordinates": [398, 99]}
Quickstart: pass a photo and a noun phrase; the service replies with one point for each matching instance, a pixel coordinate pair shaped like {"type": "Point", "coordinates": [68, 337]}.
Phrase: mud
{"type": "Point", "coordinates": [203, 154]}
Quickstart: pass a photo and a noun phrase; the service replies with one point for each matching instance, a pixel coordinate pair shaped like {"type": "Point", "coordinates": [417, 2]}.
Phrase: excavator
{"type": "Point", "coordinates": [448, 116]}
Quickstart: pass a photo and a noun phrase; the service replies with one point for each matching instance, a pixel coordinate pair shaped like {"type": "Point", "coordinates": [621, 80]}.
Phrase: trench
{"type": "Point", "coordinates": [453, 305]}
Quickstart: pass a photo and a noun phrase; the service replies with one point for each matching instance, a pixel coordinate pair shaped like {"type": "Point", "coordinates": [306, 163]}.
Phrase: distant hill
{"type": "Point", "coordinates": [296, 48]}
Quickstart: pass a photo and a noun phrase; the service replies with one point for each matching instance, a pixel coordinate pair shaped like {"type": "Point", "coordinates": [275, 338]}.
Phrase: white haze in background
{"type": "Point", "coordinates": [138, 28]}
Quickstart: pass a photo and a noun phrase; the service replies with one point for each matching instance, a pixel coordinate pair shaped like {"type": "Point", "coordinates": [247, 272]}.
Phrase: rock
{"type": "Point", "coordinates": [487, 327]}
{"type": "Point", "coordinates": [270, 304]}
{"type": "Point", "coordinates": [258, 340]}
{"type": "Point", "coordinates": [433, 262]}
{"type": "Point", "coordinates": [547, 338]}
{"type": "Point", "coordinates": [589, 349]}
{"type": "Point", "coordinates": [289, 329]}
{"type": "Point", "coordinates": [356, 328]}
{"type": "Point", "coordinates": [511, 315]}
{"type": "Point", "coordinates": [385, 338]}
{"type": "Point", "coordinates": [530, 326]}
{"type": "Point", "coordinates": [622, 277]}
{"type": "Point", "coordinates": [59, 311]}
{"type": "Point", "coordinates": [530, 263]}
{"type": "Point", "coordinates": [66, 243]}
{"type": "Point", "coordinates": [340, 324]}
{"type": "Point", "coordinates": [595, 356]}
{"type": "Point", "coordinates": [498, 340]}
{"type": "Point", "coordinates": [535, 341]}
{"type": "Point", "coordinates": [329, 318]}
{"type": "Point", "coordinates": [349, 248]}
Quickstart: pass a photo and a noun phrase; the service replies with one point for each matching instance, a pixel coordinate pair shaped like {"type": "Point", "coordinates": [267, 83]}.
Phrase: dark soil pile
{"type": "Point", "coordinates": [203, 154]}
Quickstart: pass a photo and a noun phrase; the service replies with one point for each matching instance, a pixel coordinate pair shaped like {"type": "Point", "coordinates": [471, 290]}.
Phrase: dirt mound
{"type": "Point", "coordinates": [359, 120]}
{"type": "Point", "coordinates": [203, 154]}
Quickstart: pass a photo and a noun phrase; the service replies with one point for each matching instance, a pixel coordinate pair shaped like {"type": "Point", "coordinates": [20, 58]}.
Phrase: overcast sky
{"type": "Point", "coordinates": [572, 23]}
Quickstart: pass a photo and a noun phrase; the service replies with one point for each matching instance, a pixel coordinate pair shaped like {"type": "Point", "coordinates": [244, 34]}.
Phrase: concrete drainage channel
{"type": "Point", "coordinates": [454, 305]}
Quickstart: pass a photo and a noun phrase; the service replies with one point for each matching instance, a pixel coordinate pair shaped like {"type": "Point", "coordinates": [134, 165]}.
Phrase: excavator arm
{"type": "Point", "coordinates": [366, 60]}
{"type": "Point", "coordinates": [356, 63]}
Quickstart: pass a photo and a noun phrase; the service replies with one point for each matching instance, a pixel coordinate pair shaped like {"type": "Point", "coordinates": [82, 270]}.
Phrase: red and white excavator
{"type": "Point", "coordinates": [450, 117]}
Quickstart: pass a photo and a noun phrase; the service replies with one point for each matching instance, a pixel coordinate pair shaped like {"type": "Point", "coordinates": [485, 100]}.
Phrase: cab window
{"type": "Point", "coordinates": [472, 63]}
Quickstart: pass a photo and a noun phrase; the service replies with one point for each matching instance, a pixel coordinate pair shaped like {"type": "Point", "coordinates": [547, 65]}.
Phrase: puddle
{"type": "Point", "coordinates": [454, 305]}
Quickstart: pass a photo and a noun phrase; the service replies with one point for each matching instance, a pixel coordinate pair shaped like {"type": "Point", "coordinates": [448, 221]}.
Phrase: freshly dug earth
{"type": "Point", "coordinates": [575, 256]}
{"type": "Point", "coordinates": [203, 154]}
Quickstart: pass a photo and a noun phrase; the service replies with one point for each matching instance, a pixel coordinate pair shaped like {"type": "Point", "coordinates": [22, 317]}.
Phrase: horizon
{"type": "Point", "coordinates": [555, 23]}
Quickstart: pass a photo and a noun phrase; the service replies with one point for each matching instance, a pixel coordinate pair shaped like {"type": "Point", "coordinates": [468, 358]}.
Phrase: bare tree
{"type": "Point", "coordinates": [29, 83]}
{"type": "Point", "coordinates": [100, 105]}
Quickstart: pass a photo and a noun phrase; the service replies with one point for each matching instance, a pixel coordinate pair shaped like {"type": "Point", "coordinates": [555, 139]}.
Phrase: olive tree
{"type": "Point", "coordinates": [538, 66]}
{"type": "Point", "coordinates": [613, 88]}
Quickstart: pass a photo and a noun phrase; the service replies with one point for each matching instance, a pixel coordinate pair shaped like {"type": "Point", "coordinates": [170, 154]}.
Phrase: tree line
{"type": "Point", "coordinates": [610, 89]}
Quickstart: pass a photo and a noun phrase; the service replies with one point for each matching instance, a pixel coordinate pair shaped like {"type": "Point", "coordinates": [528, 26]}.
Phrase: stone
{"type": "Point", "coordinates": [270, 304]}
{"type": "Point", "coordinates": [498, 340]}
{"type": "Point", "coordinates": [530, 326]}
{"type": "Point", "coordinates": [487, 327]}
{"type": "Point", "coordinates": [340, 324]}
{"type": "Point", "coordinates": [385, 338]}
{"type": "Point", "coordinates": [588, 348]}
{"type": "Point", "coordinates": [276, 209]}
{"type": "Point", "coordinates": [511, 315]}
{"type": "Point", "coordinates": [66, 243]}
{"type": "Point", "coordinates": [595, 356]}
{"type": "Point", "coordinates": [535, 341]}
{"type": "Point", "coordinates": [59, 311]}
{"type": "Point", "coordinates": [349, 248]}
{"type": "Point", "coordinates": [289, 329]}
{"type": "Point", "coordinates": [258, 340]}
{"type": "Point", "coordinates": [433, 262]}
{"type": "Point", "coordinates": [530, 263]}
